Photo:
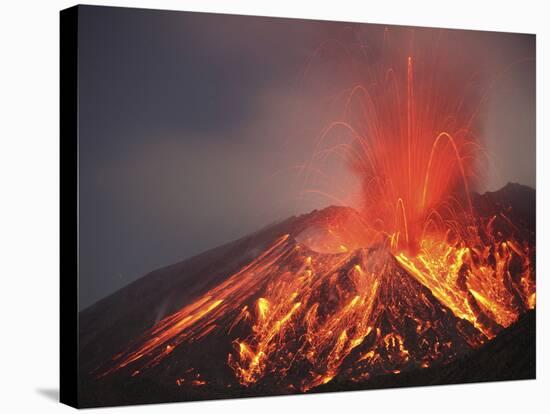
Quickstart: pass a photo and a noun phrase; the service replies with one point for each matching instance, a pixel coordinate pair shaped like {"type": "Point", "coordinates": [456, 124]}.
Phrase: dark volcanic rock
{"type": "Point", "coordinates": [402, 342]}
{"type": "Point", "coordinates": [509, 356]}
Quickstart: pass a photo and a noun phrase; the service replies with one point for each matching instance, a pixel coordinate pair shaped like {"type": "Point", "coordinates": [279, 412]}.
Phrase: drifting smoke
{"type": "Point", "coordinates": [416, 276]}
{"type": "Point", "coordinates": [411, 135]}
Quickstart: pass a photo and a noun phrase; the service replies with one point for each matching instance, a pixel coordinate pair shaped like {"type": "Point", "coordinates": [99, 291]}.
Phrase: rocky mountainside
{"type": "Point", "coordinates": [277, 313]}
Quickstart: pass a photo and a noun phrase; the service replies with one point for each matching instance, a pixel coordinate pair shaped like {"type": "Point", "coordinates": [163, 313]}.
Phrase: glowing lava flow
{"type": "Point", "coordinates": [488, 281]}
{"type": "Point", "coordinates": [424, 280]}
{"type": "Point", "coordinates": [414, 150]}
{"type": "Point", "coordinates": [199, 318]}
{"type": "Point", "coordinates": [300, 318]}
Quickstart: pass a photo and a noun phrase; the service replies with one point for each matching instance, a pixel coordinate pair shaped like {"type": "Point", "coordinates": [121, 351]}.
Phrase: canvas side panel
{"type": "Point", "coordinates": [69, 206]}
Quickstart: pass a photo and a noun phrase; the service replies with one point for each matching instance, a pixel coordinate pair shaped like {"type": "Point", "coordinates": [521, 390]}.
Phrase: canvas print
{"type": "Point", "coordinates": [274, 206]}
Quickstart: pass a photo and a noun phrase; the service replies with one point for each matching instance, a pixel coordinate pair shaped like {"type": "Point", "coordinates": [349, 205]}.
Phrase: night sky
{"type": "Point", "coordinates": [191, 126]}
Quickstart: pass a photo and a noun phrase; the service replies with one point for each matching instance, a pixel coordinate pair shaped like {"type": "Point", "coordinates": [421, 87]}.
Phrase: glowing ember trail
{"type": "Point", "coordinates": [316, 310]}
{"type": "Point", "coordinates": [415, 153]}
{"type": "Point", "coordinates": [417, 277]}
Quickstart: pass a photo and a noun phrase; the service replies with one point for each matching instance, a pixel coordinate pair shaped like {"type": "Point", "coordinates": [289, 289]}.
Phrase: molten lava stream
{"type": "Point", "coordinates": [423, 280]}
{"type": "Point", "coordinates": [413, 147]}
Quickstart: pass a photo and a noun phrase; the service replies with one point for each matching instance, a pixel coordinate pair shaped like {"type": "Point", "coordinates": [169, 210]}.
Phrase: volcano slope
{"type": "Point", "coordinates": [268, 315]}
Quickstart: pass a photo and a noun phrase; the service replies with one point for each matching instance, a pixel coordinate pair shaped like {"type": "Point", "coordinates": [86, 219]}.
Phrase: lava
{"type": "Point", "coordinates": [413, 149]}
{"type": "Point", "coordinates": [415, 277]}
{"type": "Point", "coordinates": [314, 313]}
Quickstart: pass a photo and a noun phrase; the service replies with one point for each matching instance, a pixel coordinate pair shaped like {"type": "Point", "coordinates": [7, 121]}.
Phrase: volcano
{"type": "Point", "coordinates": [300, 306]}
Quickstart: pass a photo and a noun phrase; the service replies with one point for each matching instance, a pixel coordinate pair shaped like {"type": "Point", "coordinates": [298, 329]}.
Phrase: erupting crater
{"type": "Point", "coordinates": [421, 273]}
{"type": "Point", "coordinates": [294, 318]}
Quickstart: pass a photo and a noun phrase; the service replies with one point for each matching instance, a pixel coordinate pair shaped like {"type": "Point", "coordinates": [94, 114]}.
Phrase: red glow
{"type": "Point", "coordinates": [334, 299]}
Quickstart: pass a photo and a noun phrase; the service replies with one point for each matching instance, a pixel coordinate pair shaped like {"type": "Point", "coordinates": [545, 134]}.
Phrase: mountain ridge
{"type": "Point", "coordinates": [125, 315]}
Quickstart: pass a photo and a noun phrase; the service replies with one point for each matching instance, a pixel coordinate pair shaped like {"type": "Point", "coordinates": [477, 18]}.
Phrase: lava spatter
{"type": "Point", "coordinates": [416, 276]}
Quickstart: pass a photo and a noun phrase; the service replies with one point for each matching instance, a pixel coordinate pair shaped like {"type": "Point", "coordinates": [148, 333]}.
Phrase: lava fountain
{"type": "Point", "coordinates": [417, 275]}
{"type": "Point", "coordinates": [414, 151]}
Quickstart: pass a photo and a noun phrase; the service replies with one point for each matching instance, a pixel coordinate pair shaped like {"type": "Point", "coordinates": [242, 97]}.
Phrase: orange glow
{"type": "Point", "coordinates": [365, 294]}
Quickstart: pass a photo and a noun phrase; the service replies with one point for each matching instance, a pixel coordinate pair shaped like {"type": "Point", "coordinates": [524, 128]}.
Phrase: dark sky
{"type": "Point", "coordinates": [191, 125]}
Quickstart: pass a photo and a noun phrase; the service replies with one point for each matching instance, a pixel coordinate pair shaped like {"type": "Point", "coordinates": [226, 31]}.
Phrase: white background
{"type": "Point", "coordinates": [29, 194]}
